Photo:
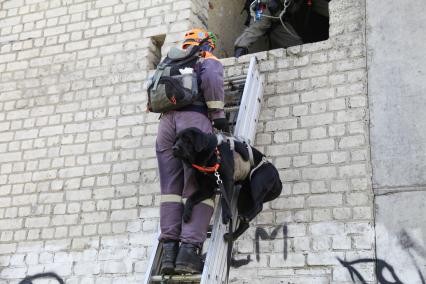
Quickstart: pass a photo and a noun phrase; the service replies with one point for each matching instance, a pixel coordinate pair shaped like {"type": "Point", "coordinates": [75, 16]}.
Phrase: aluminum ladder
{"type": "Point", "coordinates": [243, 99]}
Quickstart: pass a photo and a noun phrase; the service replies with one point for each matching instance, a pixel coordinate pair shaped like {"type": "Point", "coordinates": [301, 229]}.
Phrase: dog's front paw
{"type": "Point", "coordinates": [187, 212]}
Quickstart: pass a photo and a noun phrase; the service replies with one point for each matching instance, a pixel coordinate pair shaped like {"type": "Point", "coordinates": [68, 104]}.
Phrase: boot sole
{"type": "Point", "coordinates": [168, 270]}
{"type": "Point", "coordinates": [184, 269]}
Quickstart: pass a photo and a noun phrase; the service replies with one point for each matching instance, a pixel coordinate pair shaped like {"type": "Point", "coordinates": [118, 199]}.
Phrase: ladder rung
{"type": "Point", "coordinates": [234, 86]}
{"type": "Point", "coordinates": [238, 84]}
{"type": "Point", "coordinates": [235, 78]}
{"type": "Point", "coordinates": [233, 93]}
{"type": "Point", "coordinates": [177, 278]}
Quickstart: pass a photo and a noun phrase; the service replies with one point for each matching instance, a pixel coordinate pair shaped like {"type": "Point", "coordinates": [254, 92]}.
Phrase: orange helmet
{"type": "Point", "coordinates": [195, 36]}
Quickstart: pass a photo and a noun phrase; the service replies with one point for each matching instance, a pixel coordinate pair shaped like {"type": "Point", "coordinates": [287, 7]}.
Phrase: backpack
{"type": "Point", "coordinates": [174, 84]}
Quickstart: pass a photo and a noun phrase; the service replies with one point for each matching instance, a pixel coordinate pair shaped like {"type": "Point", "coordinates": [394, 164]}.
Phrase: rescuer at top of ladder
{"type": "Point", "coordinates": [285, 22]}
{"type": "Point", "coordinates": [182, 242]}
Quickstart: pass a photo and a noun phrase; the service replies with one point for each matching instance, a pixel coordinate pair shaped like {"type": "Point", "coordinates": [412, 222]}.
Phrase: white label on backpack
{"type": "Point", "coordinates": [186, 70]}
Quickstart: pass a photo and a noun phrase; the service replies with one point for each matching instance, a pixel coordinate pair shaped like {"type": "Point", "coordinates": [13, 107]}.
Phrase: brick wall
{"type": "Point", "coordinates": [78, 175]}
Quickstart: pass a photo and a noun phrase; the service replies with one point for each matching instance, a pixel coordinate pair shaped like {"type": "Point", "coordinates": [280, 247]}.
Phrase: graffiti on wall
{"type": "Point", "coordinates": [385, 272]}
{"type": "Point", "coordinates": [30, 279]}
{"type": "Point", "coordinates": [262, 234]}
{"type": "Point", "coordinates": [381, 267]}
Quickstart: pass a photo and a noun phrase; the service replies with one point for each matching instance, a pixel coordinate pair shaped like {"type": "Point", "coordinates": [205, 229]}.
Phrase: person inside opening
{"type": "Point", "coordinates": [285, 23]}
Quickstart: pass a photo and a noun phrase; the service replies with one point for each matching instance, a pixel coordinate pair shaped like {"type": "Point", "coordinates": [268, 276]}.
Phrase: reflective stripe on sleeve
{"type": "Point", "coordinates": [215, 104]}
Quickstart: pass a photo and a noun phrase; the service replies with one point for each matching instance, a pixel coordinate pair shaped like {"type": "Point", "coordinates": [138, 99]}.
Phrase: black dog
{"type": "Point", "coordinates": [259, 179]}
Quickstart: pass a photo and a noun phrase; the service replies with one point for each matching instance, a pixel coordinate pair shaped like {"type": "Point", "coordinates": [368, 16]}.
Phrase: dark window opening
{"type": "Point", "coordinates": [309, 18]}
{"type": "Point", "coordinates": [154, 55]}
{"type": "Point", "coordinates": [311, 21]}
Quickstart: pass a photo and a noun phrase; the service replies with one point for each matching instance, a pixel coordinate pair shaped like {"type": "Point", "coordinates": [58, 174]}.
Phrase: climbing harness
{"type": "Point", "coordinates": [279, 17]}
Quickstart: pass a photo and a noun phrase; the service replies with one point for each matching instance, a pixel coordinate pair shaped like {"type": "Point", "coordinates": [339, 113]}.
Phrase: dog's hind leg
{"type": "Point", "coordinates": [238, 232]}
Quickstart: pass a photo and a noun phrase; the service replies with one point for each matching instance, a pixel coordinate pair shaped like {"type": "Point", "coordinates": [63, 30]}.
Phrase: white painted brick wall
{"type": "Point", "coordinates": [78, 174]}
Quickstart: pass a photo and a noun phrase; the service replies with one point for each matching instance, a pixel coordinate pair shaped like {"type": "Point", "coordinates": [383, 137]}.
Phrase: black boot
{"type": "Point", "coordinates": [170, 250]}
{"type": "Point", "coordinates": [189, 259]}
{"type": "Point", "coordinates": [240, 51]}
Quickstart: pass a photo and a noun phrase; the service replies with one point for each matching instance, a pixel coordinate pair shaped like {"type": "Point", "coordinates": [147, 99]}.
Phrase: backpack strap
{"type": "Point", "coordinates": [158, 74]}
{"type": "Point", "coordinates": [262, 162]}
{"type": "Point", "coordinates": [167, 61]}
{"type": "Point", "coordinates": [250, 151]}
{"type": "Point", "coordinates": [222, 137]}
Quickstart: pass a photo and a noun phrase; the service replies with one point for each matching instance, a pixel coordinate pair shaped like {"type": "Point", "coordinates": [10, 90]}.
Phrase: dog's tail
{"type": "Point", "coordinates": [29, 279]}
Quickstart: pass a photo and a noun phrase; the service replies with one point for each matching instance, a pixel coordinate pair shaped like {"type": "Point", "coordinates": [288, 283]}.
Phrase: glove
{"type": "Point", "coordinates": [221, 124]}
{"type": "Point", "coordinates": [240, 51]}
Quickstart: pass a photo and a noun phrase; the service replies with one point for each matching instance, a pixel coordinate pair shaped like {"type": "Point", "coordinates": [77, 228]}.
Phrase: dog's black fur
{"type": "Point", "coordinates": [196, 147]}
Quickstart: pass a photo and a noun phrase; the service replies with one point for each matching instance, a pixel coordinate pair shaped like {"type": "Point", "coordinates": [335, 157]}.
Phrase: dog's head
{"type": "Point", "coordinates": [189, 143]}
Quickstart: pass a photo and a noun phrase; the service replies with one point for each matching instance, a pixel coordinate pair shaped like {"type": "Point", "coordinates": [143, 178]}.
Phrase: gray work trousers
{"type": "Point", "coordinates": [280, 36]}
{"type": "Point", "coordinates": [177, 181]}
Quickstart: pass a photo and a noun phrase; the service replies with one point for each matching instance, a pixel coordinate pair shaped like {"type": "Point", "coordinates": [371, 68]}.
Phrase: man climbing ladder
{"type": "Point", "coordinates": [182, 242]}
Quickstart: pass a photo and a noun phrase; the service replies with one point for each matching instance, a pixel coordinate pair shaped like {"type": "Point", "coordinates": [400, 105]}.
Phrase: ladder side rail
{"type": "Point", "coordinates": [249, 118]}
{"type": "Point", "coordinates": [215, 249]}
{"type": "Point", "coordinates": [232, 223]}
{"type": "Point", "coordinates": [250, 127]}
{"type": "Point", "coordinates": [255, 107]}
{"type": "Point", "coordinates": [241, 119]}
{"type": "Point", "coordinates": [244, 119]}
{"type": "Point", "coordinates": [154, 258]}
{"type": "Point", "coordinates": [210, 271]}
{"type": "Point", "coordinates": [245, 124]}
{"type": "Point", "coordinates": [247, 93]}
{"type": "Point", "coordinates": [221, 248]}
{"type": "Point", "coordinates": [216, 261]}
{"type": "Point", "coordinates": [234, 210]}
{"type": "Point", "coordinates": [221, 262]}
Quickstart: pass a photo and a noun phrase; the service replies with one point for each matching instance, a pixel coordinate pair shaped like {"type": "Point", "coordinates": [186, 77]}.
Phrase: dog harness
{"type": "Point", "coordinates": [242, 168]}
{"type": "Point", "coordinates": [264, 161]}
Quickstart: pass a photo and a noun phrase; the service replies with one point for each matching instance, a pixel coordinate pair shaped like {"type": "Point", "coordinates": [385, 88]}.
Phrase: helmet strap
{"type": "Point", "coordinates": [206, 47]}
